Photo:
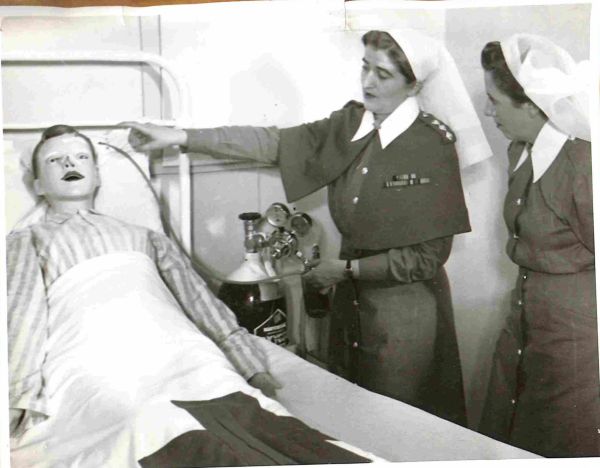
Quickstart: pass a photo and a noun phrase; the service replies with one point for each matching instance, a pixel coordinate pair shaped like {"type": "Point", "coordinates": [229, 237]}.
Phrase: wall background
{"type": "Point", "coordinates": [289, 65]}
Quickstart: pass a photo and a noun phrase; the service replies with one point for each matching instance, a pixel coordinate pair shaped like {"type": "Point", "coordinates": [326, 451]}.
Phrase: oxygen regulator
{"type": "Point", "coordinates": [277, 245]}
{"type": "Point", "coordinates": [293, 236]}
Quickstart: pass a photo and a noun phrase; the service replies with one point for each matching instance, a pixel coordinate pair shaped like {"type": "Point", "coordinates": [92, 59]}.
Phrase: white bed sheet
{"type": "Point", "coordinates": [114, 362]}
{"type": "Point", "coordinates": [380, 425]}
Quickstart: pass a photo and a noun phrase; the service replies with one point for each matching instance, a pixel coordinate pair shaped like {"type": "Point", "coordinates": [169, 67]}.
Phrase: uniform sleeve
{"type": "Point", "coordinates": [407, 264]}
{"type": "Point", "coordinates": [581, 218]}
{"type": "Point", "coordinates": [244, 142]}
{"type": "Point", "coordinates": [27, 329]}
{"type": "Point", "coordinates": [209, 314]}
{"type": "Point", "coordinates": [293, 149]}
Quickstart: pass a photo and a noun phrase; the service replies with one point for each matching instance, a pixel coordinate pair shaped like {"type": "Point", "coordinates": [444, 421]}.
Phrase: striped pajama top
{"type": "Point", "coordinates": [38, 255]}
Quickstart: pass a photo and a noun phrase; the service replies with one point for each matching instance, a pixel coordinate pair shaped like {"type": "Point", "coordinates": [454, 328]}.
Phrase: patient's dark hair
{"type": "Point", "coordinates": [492, 60]}
{"type": "Point", "coordinates": [55, 131]}
{"type": "Point", "coordinates": [382, 40]}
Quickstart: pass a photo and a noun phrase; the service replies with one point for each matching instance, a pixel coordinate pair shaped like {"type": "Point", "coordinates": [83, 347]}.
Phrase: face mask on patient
{"type": "Point", "coordinates": [66, 174]}
{"type": "Point", "coordinates": [123, 194]}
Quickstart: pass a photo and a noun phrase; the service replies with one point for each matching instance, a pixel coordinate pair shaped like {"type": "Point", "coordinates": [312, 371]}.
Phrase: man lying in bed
{"type": "Point", "coordinates": [73, 234]}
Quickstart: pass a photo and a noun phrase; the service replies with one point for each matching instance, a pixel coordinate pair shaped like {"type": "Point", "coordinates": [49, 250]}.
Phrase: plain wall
{"type": "Point", "coordinates": [59, 93]}
{"type": "Point", "coordinates": [284, 65]}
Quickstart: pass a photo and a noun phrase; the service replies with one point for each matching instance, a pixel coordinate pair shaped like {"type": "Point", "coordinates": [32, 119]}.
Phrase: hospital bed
{"type": "Point", "coordinates": [373, 423]}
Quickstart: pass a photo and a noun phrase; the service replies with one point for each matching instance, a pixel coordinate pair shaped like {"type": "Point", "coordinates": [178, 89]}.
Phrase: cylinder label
{"type": "Point", "coordinates": [274, 328]}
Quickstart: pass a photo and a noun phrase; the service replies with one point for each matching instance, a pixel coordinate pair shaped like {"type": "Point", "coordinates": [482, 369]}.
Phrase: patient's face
{"type": "Point", "coordinates": [66, 170]}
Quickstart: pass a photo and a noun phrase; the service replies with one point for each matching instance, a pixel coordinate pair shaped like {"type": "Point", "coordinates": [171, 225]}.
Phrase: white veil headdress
{"type": "Point", "coordinates": [443, 93]}
{"type": "Point", "coordinates": [553, 80]}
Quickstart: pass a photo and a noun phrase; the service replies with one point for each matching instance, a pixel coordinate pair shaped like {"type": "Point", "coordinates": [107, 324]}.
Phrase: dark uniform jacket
{"type": "Point", "coordinates": [387, 216]}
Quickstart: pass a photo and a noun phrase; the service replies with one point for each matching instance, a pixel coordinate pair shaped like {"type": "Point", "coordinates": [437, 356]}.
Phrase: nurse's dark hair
{"type": "Point", "coordinates": [55, 131]}
{"type": "Point", "coordinates": [492, 60]}
{"type": "Point", "coordinates": [382, 40]}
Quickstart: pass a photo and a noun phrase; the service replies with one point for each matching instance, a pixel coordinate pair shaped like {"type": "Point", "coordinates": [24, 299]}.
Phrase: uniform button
{"type": "Point", "coordinates": [519, 201]}
{"type": "Point", "coordinates": [515, 236]}
{"type": "Point", "coordinates": [364, 170]}
{"type": "Point", "coordinates": [525, 277]}
{"type": "Point", "coordinates": [519, 352]}
{"type": "Point", "coordinates": [513, 401]}
{"type": "Point", "coordinates": [520, 302]}
{"type": "Point", "coordinates": [355, 200]}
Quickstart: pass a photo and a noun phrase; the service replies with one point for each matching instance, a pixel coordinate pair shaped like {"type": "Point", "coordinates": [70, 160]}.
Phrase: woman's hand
{"type": "Point", "coordinates": [265, 383]}
{"type": "Point", "coordinates": [149, 137]}
{"type": "Point", "coordinates": [326, 274]}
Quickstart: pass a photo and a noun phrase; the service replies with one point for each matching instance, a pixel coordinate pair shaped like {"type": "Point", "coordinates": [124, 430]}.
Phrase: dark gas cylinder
{"type": "Point", "coordinates": [258, 309]}
{"type": "Point", "coordinates": [258, 305]}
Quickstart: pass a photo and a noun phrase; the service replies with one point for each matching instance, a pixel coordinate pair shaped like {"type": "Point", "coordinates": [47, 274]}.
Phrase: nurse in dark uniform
{"type": "Point", "coordinates": [544, 393]}
{"type": "Point", "coordinates": [395, 194]}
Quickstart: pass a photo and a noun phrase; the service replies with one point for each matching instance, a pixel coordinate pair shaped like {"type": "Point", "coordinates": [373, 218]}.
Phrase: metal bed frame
{"type": "Point", "coordinates": [177, 90]}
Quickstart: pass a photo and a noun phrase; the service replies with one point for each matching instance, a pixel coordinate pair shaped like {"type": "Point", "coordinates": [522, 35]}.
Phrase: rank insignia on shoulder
{"type": "Point", "coordinates": [440, 127]}
{"type": "Point", "coordinates": [406, 180]}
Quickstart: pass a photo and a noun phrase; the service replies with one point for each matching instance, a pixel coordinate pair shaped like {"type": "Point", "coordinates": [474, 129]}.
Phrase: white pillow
{"type": "Point", "coordinates": [124, 194]}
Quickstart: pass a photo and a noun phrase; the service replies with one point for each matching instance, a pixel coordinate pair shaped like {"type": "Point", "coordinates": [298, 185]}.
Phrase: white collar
{"type": "Point", "coordinates": [544, 151]}
{"type": "Point", "coordinates": [396, 123]}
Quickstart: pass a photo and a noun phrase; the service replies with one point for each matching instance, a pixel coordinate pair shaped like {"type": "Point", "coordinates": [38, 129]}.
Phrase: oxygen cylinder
{"type": "Point", "coordinates": [259, 307]}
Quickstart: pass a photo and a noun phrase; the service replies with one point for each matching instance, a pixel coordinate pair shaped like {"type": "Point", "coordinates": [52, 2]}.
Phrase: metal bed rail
{"type": "Point", "coordinates": [177, 90]}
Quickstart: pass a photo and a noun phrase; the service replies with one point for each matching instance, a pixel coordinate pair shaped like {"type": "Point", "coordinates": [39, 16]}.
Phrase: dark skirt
{"type": "Point", "coordinates": [407, 346]}
{"type": "Point", "coordinates": [544, 393]}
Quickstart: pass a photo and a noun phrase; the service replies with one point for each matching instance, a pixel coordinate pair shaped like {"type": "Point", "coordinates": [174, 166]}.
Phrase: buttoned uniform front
{"type": "Point", "coordinates": [400, 234]}
{"type": "Point", "coordinates": [544, 393]}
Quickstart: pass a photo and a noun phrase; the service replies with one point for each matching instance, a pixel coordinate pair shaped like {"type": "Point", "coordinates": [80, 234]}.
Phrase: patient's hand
{"type": "Point", "coordinates": [149, 137]}
{"type": "Point", "coordinates": [266, 383]}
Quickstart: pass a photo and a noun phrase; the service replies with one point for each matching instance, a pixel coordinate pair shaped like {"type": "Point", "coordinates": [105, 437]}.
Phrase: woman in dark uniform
{"type": "Point", "coordinates": [544, 394]}
{"type": "Point", "coordinates": [395, 195]}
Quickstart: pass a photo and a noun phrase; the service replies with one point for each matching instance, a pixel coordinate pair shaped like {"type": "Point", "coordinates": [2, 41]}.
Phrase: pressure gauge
{"type": "Point", "coordinates": [277, 215]}
{"type": "Point", "coordinates": [301, 223]}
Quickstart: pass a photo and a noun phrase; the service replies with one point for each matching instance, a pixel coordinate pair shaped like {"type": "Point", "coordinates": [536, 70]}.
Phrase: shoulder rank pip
{"type": "Point", "coordinates": [440, 127]}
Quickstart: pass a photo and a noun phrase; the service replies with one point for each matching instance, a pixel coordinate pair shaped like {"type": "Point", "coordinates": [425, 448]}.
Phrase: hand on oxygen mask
{"type": "Point", "coordinates": [326, 274]}
{"type": "Point", "coordinates": [266, 383]}
{"type": "Point", "coordinates": [149, 137]}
